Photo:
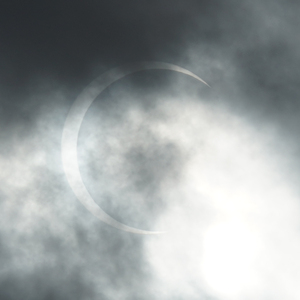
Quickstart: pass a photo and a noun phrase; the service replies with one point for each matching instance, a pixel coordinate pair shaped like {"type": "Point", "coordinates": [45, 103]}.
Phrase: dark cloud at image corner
{"type": "Point", "coordinates": [65, 40]}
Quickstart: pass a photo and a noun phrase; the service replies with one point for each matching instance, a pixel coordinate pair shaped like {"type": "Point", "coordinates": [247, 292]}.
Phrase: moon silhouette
{"type": "Point", "coordinates": [73, 124]}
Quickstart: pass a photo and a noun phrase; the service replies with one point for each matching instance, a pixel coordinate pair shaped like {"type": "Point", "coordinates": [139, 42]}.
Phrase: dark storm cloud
{"type": "Point", "coordinates": [70, 42]}
{"type": "Point", "coordinates": [49, 51]}
{"type": "Point", "coordinates": [65, 39]}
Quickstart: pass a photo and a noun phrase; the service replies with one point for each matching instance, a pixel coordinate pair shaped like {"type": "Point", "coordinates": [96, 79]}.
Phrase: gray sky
{"type": "Point", "coordinates": [218, 168]}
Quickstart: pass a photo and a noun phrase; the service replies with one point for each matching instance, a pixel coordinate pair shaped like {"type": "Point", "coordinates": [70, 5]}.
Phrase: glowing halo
{"type": "Point", "coordinates": [73, 124]}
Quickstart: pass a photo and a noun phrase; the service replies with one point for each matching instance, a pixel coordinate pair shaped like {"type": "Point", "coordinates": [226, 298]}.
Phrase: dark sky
{"type": "Point", "coordinates": [141, 143]}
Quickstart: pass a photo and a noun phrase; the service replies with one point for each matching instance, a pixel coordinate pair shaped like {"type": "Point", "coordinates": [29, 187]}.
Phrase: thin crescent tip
{"type": "Point", "coordinates": [160, 232]}
{"type": "Point", "coordinates": [152, 232]}
{"type": "Point", "coordinates": [203, 81]}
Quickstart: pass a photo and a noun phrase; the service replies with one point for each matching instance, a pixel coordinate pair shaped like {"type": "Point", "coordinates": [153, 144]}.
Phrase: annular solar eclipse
{"type": "Point", "coordinates": [73, 124]}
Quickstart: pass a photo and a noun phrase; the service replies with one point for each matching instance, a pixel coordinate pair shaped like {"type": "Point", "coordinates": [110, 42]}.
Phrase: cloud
{"type": "Point", "coordinates": [233, 218]}
{"type": "Point", "coordinates": [217, 168]}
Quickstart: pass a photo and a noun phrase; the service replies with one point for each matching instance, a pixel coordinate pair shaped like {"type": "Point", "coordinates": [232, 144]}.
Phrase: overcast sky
{"type": "Point", "coordinates": [218, 168]}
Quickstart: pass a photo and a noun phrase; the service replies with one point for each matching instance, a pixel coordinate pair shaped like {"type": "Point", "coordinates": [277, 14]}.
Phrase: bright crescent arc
{"type": "Point", "coordinates": [73, 124]}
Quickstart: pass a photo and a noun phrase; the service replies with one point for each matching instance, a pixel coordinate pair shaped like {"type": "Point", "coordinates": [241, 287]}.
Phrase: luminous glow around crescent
{"type": "Point", "coordinates": [73, 124]}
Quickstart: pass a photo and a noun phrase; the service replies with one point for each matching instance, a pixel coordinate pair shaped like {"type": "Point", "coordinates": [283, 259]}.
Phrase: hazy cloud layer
{"type": "Point", "coordinates": [217, 167]}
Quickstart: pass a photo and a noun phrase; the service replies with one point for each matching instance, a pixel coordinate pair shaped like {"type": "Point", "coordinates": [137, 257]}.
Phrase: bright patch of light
{"type": "Point", "coordinates": [233, 217]}
{"type": "Point", "coordinates": [229, 251]}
